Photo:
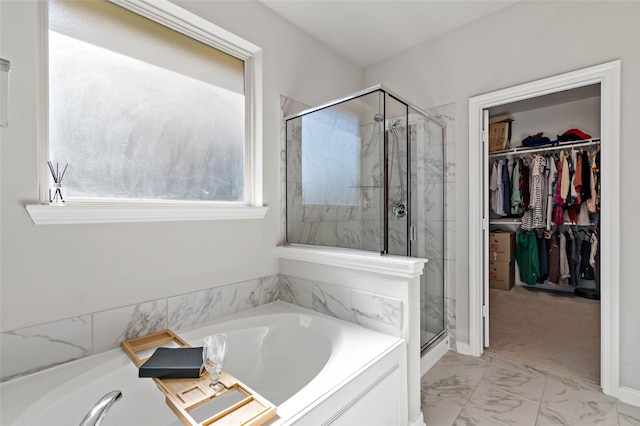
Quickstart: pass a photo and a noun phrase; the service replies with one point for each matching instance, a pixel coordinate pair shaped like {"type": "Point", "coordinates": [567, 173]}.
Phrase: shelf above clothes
{"type": "Point", "coordinates": [557, 147]}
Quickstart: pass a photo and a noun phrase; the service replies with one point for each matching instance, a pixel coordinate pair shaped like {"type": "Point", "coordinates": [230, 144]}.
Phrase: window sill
{"type": "Point", "coordinates": [44, 214]}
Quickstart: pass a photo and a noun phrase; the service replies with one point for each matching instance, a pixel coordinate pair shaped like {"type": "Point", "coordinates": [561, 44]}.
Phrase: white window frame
{"type": "Point", "coordinates": [185, 22]}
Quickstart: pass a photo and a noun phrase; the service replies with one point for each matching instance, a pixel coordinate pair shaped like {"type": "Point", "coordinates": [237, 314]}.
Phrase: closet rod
{"type": "Point", "coordinates": [549, 148]}
{"type": "Point", "coordinates": [518, 222]}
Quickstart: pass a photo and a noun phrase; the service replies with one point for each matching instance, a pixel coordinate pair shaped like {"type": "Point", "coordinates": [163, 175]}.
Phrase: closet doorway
{"type": "Point", "coordinates": [607, 78]}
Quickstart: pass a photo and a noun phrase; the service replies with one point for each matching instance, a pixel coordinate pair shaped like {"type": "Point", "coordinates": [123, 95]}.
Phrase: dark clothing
{"type": "Point", "coordinates": [586, 271]}
{"type": "Point", "coordinates": [543, 257]}
{"type": "Point", "coordinates": [585, 191]}
{"type": "Point", "coordinates": [506, 188]}
{"type": "Point", "coordinates": [554, 260]}
{"type": "Point", "coordinates": [526, 195]}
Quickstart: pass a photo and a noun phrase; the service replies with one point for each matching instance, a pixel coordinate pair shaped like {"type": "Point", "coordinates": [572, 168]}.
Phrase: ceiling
{"type": "Point", "coordinates": [369, 31]}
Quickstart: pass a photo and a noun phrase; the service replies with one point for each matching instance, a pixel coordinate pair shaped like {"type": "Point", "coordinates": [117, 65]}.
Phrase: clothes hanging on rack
{"type": "Point", "coordinates": [554, 260]}
{"type": "Point", "coordinates": [564, 260]}
{"type": "Point", "coordinates": [500, 189]}
{"type": "Point", "coordinates": [563, 257]}
{"type": "Point", "coordinates": [586, 270]}
{"type": "Point", "coordinates": [493, 187]}
{"type": "Point", "coordinates": [506, 189]}
{"type": "Point", "coordinates": [593, 203]}
{"type": "Point", "coordinates": [551, 189]}
{"type": "Point", "coordinates": [532, 217]}
{"type": "Point", "coordinates": [543, 257]}
{"type": "Point", "coordinates": [556, 196]}
{"type": "Point", "coordinates": [546, 190]}
{"type": "Point", "coordinates": [558, 212]}
{"type": "Point", "coordinates": [516, 189]}
{"type": "Point", "coordinates": [527, 256]}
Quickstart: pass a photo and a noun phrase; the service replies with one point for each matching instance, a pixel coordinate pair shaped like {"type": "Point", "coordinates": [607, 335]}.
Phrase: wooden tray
{"type": "Point", "coordinates": [185, 395]}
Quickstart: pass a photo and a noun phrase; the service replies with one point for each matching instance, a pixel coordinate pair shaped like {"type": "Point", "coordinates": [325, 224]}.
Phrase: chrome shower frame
{"type": "Point", "coordinates": [419, 241]}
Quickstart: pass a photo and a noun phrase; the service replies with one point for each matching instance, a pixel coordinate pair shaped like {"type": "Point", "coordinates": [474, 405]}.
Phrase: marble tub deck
{"type": "Point", "coordinates": [462, 390]}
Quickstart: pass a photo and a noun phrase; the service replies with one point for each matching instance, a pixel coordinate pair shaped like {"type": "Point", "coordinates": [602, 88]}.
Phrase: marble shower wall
{"type": "Point", "coordinates": [22, 350]}
{"type": "Point", "coordinates": [354, 220]}
{"type": "Point", "coordinates": [446, 115]}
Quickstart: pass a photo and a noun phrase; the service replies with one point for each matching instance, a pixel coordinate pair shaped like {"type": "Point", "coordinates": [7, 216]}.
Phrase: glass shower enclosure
{"type": "Point", "coordinates": [366, 172]}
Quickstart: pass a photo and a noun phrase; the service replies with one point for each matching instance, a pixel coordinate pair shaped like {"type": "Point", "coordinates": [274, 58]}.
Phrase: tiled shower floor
{"type": "Point", "coordinates": [462, 390]}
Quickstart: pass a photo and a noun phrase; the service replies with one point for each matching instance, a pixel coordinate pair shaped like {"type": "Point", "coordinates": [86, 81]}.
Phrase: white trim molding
{"type": "Point", "coordinates": [629, 396]}
{"type": "Point", "coordinates": [43, 214]}
{"type": "Point", "coordinates": [359, 260]}
{"type": "Point", "coordinates": [429, 358]}
{"type": "Point", "coordinates": [608, 76]}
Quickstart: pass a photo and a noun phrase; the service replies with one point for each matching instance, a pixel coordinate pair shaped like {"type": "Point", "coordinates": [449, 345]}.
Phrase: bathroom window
{"type": "Point", "coordinates": [145, 114]}
{"type": "Point", "coordinates": [330, 159]}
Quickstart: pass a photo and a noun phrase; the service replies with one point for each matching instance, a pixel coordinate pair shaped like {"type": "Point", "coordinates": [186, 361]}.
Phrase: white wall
{"type": "Point", "coordinates": [522, 43]}
{"type": "Point", "coordinates": [59, 271]}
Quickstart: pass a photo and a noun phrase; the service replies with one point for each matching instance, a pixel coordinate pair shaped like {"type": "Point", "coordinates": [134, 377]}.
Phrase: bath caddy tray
{"type": "Point", "coordinates": [184, 396]}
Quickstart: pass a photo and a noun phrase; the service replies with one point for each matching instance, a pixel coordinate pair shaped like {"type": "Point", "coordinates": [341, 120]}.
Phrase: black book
{"type": "Point", "coordinates": [173, 363]}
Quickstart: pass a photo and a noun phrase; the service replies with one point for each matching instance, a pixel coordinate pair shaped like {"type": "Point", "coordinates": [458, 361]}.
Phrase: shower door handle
{"type": "Point", "coordinates": [413, 234]}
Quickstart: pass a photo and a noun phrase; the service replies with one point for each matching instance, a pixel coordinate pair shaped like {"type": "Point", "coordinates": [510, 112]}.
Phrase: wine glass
{"type": "Point", "coordinates": [213, 353]}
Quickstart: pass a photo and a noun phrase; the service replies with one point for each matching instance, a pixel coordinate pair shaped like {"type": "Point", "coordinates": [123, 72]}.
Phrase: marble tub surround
{"type": "Point", "coordinates": [370, 310]}
{"type": "Point", "coordinates": [22, 350]}
{"type": "Point", "coordinates": [30, 349]}
{"type": "Point", "coordinates": [462, 390]}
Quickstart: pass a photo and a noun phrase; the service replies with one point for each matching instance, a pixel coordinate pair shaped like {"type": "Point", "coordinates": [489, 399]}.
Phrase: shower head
{"type": "Point", "coordinates": [394, 126]}
{"type": "Point", "coordinates": [378, 118]}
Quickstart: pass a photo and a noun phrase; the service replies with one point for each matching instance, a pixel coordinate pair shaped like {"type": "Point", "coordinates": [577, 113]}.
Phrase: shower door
{"type": "Point", "coordinates": [427, 230]}
{"type": "Point", "coordinates": [396, 156]}
{"type": "Point", "coordinates": [415, 205]}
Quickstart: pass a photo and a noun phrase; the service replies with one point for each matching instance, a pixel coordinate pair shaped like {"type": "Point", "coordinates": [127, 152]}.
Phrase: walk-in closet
{"type": "Point", "coordinates": [544, 216]}
{"type": "Point", "coordinates": [543, 192]}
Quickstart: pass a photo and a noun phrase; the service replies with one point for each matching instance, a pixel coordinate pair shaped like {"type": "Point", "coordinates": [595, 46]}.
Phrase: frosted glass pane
{"type": "Point", "coordinates": [330, 159]}
{"type": "Point", "coordinates": [132, 130]}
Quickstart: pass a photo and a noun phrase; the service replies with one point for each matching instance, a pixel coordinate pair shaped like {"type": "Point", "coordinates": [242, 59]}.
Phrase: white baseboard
{"type": "Point", "coordinates": [629, 396]}
{"type": "Point", "coordinates": [428, 359]}
{"type": "Point", "coordinates": [463, 348]}
{"type": "Point", "coordinates": [418, 421]}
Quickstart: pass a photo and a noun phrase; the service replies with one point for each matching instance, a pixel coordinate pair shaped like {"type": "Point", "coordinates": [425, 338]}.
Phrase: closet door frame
{"type": "Point", "coordinates": [608, 76]}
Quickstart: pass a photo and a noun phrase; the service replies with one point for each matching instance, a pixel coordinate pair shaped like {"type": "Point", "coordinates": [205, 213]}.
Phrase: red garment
{"type": "Point", "coordinates": [573, 212]}
{"type": "Point", "coordinates": [577, 180]}
{"type": "Point", "coordinates": [578, 133]}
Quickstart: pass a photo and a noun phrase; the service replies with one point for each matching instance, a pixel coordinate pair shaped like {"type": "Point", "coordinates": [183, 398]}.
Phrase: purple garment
{"type": "Point", "coordinates": [558, 211]}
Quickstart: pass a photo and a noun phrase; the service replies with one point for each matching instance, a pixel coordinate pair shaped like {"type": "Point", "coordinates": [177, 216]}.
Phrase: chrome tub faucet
{"type": "Point", "coordinates": [96, 415]}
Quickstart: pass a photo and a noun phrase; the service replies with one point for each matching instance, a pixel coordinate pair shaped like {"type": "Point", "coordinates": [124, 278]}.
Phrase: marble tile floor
{"type": "Point", "coordinates": [463, 390]}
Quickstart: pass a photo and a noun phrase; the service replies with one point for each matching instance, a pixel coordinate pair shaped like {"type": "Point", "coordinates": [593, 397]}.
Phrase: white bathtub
{"type": "Point", "coordinates": [316, 369]}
